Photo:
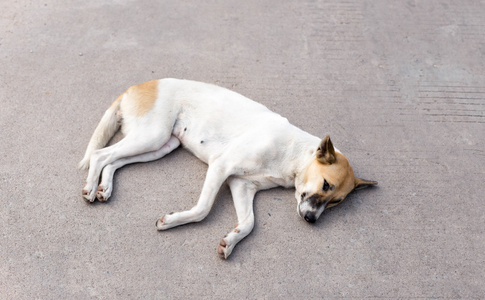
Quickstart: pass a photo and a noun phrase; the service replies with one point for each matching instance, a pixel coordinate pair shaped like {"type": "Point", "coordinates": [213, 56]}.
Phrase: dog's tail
{"type": "Point", "coordinates": [105, 130]}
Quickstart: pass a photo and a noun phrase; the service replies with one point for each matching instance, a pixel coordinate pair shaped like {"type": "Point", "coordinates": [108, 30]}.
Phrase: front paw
{"type": "Point", "coordinates": [163, 223]}
{"type": "Point", "coordinates": [160, 224]}
{"type": "Point", "coordinates": [167, 221]}
{"type": "Point", "coordinates": [224, 249]}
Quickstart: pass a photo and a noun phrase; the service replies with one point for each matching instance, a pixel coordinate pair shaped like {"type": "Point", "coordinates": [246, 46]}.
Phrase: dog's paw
{"type": "Point", "coordinates": [160, 224]}
{"type": "Point", "coordinates": [224, 249]}
{"type": "Point", "coordinates": [167, 221]}
{"type": "Point", "coordinates": [103, 193]}
{"type": "Point", "coordinates": [88, 195]}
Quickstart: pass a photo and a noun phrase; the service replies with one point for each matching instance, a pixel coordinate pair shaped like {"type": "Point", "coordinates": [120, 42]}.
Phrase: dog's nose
{"type": "Point", "coordinates": [310, 218]}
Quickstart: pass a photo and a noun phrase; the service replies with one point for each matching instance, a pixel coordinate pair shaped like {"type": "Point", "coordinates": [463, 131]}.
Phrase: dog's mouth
{"type": "Point", "coordinates": [306, 214]}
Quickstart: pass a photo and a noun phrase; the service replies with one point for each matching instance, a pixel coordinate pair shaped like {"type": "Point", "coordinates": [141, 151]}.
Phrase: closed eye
{"type": "Point", "coordinates": [326, 186]}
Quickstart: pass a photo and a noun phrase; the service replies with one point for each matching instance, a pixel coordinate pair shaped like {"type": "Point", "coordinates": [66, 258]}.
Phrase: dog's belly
{"type": "Point", "coordinates": [198, 139]}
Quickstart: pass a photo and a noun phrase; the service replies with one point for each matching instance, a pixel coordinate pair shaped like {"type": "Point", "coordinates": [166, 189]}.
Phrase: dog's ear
{"type": "Point", "coordinates": [362, 183]}
{"type": "Point", "coordinates": [326, 152]}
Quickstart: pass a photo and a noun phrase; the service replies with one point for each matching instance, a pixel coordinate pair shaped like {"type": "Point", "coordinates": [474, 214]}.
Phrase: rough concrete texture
{"type": "Point", "coordinates": [398, 85]}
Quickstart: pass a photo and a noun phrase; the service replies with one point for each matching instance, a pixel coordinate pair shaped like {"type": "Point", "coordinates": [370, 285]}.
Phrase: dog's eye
{"type": "Point", "coordinates": [303, 195]}
{"type": "Point", "coordinates": [326, 186]}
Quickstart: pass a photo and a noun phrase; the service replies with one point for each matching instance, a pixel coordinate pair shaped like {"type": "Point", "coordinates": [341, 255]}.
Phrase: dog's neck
{"type": "Point", "coordinates": [303, 150]}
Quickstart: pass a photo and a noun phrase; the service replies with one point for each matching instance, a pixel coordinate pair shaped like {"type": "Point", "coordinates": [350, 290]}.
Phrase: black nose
{"type": "Point", "coordinates": [310, 218]}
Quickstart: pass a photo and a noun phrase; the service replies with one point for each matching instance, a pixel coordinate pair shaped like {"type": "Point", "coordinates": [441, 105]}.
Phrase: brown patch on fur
{"type": "Point", "coordinates": [335, 169]}
{"type": "Point", "coordinates": [339, 175]}
{"type": "Point", "coordinates": [237, 230]}
{"type": "Point", "coordinates": [143, 96]}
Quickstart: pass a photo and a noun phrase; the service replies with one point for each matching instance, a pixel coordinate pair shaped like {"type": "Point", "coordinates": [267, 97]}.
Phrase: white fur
{"type": "Point", "coordinates": [106, 128]}
{"type": "Point", "coordinates": [242, 141]}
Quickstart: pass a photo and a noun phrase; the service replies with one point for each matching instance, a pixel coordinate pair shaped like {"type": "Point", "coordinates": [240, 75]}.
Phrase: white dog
{"type": "Point", "coordinates": [243, 142]}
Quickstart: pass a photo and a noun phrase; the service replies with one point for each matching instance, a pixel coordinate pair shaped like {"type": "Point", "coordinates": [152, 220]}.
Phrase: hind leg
{"type": "Point", "coordinates": [133, 144]}
{"type": "Point", "coordinates": [106, 186]}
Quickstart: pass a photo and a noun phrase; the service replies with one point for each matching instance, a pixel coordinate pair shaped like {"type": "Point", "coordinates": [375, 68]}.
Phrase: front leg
{"type": "Point", "coordinates": [216, 175]}
{"type": "Point", "coordinates": [243, 195]}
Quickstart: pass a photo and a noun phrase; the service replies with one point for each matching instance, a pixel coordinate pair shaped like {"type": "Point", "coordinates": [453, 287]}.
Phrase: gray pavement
{"type": "Point", "coordinates": [398, 85]}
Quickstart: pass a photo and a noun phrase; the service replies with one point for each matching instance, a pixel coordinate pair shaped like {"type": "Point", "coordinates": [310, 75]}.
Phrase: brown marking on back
{"type": "Point", "coordinates": [143, 96]}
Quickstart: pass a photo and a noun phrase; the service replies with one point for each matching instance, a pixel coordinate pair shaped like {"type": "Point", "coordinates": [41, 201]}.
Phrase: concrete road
{"type": "Point", "coordinates": [398, 85]}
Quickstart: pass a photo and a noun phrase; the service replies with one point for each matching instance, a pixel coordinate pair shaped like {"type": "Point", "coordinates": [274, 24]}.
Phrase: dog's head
{"type": "Point", "coordinates": [326, 181]}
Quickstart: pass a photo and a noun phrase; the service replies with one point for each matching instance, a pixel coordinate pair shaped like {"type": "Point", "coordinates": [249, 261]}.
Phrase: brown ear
{"type": "Point", "coordinates": [326, 152]}
{"type": "Point", "coordinates": [362, 183]}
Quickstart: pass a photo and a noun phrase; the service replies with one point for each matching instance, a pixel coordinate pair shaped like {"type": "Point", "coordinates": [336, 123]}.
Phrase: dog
{"type": "Point", "coordinates": [243, 142]}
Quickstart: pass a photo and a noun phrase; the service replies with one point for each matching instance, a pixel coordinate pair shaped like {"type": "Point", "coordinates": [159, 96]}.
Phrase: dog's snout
{"type": "Point", "coordinates": [310, 217]}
